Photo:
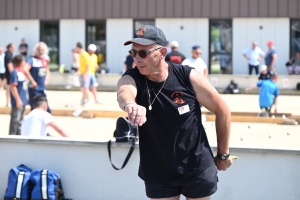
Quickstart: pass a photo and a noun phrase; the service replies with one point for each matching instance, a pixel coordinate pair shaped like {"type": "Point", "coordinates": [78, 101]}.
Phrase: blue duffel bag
{"type": "Point", "coordinates": [46, 185]}
{"type": "Point", "coordinates": [18, 186]}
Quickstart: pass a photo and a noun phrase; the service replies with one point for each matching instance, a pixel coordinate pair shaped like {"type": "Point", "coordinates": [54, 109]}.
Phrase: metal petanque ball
{"type": "Point", "coordinates": [288, 133]}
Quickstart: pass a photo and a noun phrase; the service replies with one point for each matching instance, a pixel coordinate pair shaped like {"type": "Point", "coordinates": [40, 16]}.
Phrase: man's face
{"type": "Point", "coordinates": [270, 45]}
{"type": "Point", "coordinates": [254, 45]}
{"type": "Point", "coordinates": [12, 48]}
{"type": "Point", "coordinates": [91, 51]}
{"type": "Point", "coordinates": [149, 64]}
{"type": "Point", "coordinates": [196, 53]}
{"type": "Point", "coordinates": [77, 49]}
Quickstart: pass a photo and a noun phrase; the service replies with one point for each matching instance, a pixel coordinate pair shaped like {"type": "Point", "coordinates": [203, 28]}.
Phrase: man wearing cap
{"type": "Point", "coordinates": [163, 99]}
{"type": "Point", "coordinates": [196, 62]}
{"type": "Point", "coordinates": [92, 71]}
{"type": "Point", "coordinates": [271, 56]}
{"type": "Point", "coordinates": [175, 56]}
{"type": "Point", "coordinates": [265, 74]}
{"type": "Point", "coordinates": [253, 54]}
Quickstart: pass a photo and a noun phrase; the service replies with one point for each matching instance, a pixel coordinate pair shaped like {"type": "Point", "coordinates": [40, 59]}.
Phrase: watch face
{"type": "Point", "coordinates": [223, 156]}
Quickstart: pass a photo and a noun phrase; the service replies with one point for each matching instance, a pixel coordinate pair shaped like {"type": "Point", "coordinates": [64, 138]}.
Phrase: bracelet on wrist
{"type": "Point", "coordinates": [128, 104]}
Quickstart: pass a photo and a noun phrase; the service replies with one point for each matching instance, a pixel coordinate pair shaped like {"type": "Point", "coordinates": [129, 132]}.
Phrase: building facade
{"type": "Point", "coordinates": [223, 28]}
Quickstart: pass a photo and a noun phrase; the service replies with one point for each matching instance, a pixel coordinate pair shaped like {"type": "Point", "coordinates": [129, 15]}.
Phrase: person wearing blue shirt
{"type": "Point", "coordinates": [268, 94]}
{"type": "Point", "coordinates": [18, 95]}
{"type": "Point", "coordinates": [271, 56]}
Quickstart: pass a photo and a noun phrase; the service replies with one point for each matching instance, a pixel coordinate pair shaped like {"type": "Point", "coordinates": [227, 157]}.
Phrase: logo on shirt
{"type": "Point", "coordinates": [42, 72]}
{"type": "Point", "coordinates": [141, 31]}
{"type": "Point", "coordinates": [177, 97]}
{"type": "Point", "coordinates": [176, 59]}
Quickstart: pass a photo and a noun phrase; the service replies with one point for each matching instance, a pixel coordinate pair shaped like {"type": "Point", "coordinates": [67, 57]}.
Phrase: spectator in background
{"type": "Point", "coordinates": [93, 68]}
{"type": "Point", "coordinates": [265, 74]}
{"type": "Point", "coordinates": [129, 63]}
{"type": "Point", "coordinates": [36, 122]}
{"type": "Point", "coordinates": [268, 93]}
{"type": "Point", "coordinates": [196, 62]}
{"type": "Point", "coordinates": [271, 56]}
{"type": "Point", "coordinates": [293, 65]}
{"type": "Point", "coordinates": [8, 69]}
{"type": "Point", "coordinates": [23, 48]}
{"type": "Point", "coordinates": [2, 69]}
{"type": "Point", "coordinates": [175, 56]}
{"type": "Point", "coordinates": [85, 77]}
{"type": "Point", "coordinates": [39, 71]}
{"type": "Point", "coordinates": [253, 54]}
{"type": "Point", "coordinates": [75, 61]}
{"type": "Point", "coordinates": [224, 60]}
{"type": "Point", "coordinates": [18, 95]}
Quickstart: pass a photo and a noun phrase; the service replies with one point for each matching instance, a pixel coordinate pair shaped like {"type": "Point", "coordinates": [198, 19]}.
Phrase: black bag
{"type": "Point", "coordinates": [124, 133]}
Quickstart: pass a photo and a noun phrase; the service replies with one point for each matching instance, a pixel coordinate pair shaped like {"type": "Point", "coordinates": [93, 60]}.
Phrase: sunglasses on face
{"type": "Point", "coordinates": [142, 53]}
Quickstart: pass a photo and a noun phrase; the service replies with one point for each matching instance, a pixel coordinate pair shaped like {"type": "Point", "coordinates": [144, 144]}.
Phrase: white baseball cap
{"type": "Point", "coordinates": [92, 47]}
{"type": "Point", "coordinates": [174, 44]}
{"type": "Point", "coordinates": [263, 67]}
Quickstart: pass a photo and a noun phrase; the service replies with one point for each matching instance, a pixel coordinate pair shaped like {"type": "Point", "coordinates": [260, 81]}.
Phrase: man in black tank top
{"type": "Point", "coordinates": [163, 99]}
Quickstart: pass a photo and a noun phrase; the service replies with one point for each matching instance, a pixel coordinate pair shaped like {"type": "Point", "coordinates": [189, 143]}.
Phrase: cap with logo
{"type": "Point", "coordinates": [147, 35]}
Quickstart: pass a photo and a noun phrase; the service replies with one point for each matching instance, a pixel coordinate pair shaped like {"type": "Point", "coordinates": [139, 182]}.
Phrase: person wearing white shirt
{"type": "Point", "coordinates": [36, 122]}
{"type": "Point", "coordinates": [253, 54]}
{"type": "Point", "coordinates": [195, 61]}
{"type": "Point", "coordinates": [2, 68]}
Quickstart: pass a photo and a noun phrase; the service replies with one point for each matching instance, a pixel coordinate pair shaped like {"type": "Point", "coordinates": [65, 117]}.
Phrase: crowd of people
{"type": "Point", "coordinates": [25, 78]}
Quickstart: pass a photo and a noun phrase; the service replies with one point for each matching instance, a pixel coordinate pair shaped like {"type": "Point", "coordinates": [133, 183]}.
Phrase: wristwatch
{"type": "Point", "coordinates": [223, 156]}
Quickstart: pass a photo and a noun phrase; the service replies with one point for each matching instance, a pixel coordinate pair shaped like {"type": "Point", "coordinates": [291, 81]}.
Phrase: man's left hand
{"type": "Point", "coordinates": [222, 165]}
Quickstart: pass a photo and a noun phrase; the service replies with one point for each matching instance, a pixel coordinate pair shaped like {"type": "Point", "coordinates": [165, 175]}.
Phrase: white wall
{"type": "Point", "coordinates": [118, 31]}
{"type": "Point", "coordinates": [87, 174]}
{"type": "Point", "coordinates": [28, 29]}
{"type": "Point", "coordinates": [245, 30]}
{"type": "Point", "coordinates": [70, 32]}
{"type": "Point", "coordinates": [195, 31]}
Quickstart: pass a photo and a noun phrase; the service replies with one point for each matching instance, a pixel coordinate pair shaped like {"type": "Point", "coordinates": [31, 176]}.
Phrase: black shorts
{"type": "Point", "coordinates": [7, 76]}
{"type": "Point", "coordinates": [2, 76]}
{"type": "Point", "coordinates": [205, 186]}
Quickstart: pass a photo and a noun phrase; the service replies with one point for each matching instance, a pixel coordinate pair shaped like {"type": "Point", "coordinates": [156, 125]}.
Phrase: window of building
{"type": "Point", "coordinates": [96, 34]}
{"type": "Point", "coordinates": [138, 23]}
{"type": "Point", "coordinates": [295, 37]}
{"type": "Point", "coordinates": [220, 46]}
{"type": "Point", "coordinates": [49, 33]}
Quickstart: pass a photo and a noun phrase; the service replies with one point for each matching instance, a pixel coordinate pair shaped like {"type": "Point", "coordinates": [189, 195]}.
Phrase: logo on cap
{"type": "Point", "coordinates": [141, 31]}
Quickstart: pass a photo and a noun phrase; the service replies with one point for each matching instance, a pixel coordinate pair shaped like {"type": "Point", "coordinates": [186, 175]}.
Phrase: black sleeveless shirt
{"type": "Point", "coordinates": [172, 146]}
